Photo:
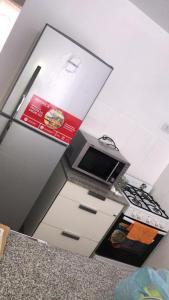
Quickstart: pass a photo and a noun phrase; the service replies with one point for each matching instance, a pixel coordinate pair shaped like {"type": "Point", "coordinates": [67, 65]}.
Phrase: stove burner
{"type": "Point", "coordinates": [156, 210]}
{"type": "Point", "coordinates": [142, 199]}
{"type": "Point", "coordinates": [135, 202]}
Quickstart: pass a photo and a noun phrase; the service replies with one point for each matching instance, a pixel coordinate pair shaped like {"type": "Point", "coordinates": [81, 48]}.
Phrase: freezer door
{"type": "Point", "coordinates": [27, 159]}
{"type": "Point", "coordinates": [70, 78]}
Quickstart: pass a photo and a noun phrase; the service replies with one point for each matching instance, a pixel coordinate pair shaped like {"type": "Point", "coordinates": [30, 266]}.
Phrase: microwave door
{"type": "Point", "coordinates": [117, 172]}
{"type": "Point", "coordinates": [96, 164]}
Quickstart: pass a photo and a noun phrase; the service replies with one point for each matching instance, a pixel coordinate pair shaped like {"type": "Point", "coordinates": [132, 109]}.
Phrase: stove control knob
{"type": "Point", "coordinates": [133, 215]}
{"type": "Point", "coordinates": [138, 217]}
{"type": "Point", "coordinates": [148, 221]}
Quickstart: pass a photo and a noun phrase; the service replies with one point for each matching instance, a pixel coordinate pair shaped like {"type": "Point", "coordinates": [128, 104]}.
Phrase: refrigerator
{"type": "Point", "coordinates": [43, 110]}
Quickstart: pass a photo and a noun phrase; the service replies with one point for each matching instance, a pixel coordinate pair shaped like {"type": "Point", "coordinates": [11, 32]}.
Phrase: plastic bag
{"type": "Point", "coordinates": [165, 276]}
{"type": "Point", "coordinates": [145, 282]}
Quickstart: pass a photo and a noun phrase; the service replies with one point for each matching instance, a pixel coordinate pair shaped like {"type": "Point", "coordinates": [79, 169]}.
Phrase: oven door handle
{"type": "Point", "coordinates": [132, 221]}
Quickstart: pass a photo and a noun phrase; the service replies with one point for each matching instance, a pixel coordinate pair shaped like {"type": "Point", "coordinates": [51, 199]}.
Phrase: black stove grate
{"type": "Point", "coordinates": [142, 199]}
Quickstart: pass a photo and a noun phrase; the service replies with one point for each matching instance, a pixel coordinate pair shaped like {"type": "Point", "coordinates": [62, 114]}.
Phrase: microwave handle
{"type": "Point", "coordinates": [98, 196]}
{"type": "Point", "coordinates": [132, 221]}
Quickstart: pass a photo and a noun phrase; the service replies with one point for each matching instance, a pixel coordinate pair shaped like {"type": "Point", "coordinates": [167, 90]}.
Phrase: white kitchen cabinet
{"type": "Point", "coordinates": [79, 218]}
{"type": "Point", "coordinates": [77, 221]}
{"type": "Point", "coordinates": [56, 237]}
{"type": "Point", "coordinates": [78, 193]}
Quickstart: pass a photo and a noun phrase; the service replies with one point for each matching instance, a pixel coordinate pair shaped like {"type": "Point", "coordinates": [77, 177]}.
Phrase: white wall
{"type": "Point", "coordinates": [155, 9]}
{"type": "Point", "coordinates": [160, 258]}
{"type": "Point", "coordinates": [134, 103]}
{"type": "Point", "coordinates": [160, 190]}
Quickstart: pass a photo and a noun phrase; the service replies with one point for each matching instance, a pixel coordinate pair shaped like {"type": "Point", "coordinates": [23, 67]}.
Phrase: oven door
{"type": "Point", "coordinates": [117, 246]}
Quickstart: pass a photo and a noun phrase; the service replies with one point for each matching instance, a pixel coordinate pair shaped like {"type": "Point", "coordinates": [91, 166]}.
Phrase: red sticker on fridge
{"type": "Point", "coordinates": [51, 119]}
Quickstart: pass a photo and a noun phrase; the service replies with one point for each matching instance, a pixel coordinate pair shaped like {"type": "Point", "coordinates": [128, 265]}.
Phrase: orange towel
{"type": "Point", "coordinates": [141, 233]}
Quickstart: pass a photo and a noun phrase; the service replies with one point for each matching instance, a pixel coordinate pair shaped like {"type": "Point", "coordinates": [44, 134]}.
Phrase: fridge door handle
{"type": "Point", "coordinates": [20, 101]}
{"type": "Point", "coordinates": [26, 90]}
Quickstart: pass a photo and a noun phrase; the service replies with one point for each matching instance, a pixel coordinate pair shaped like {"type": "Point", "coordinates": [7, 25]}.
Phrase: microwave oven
{"type": "Point", "coordinates": [96, 159]}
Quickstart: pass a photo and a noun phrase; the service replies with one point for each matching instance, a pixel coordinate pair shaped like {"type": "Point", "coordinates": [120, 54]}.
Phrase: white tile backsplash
{"type": "Point", "coordinates": [137, 182]}
{"type": "Point", "coordinates": [138, 145]}
{"type": "Point", "coordinates": [147, 153]}
{"type": "Point", "coordinates": [101, 112]}
{"type": "Point", "coordinates": [120, 128]}
{"type": "Point", "coordinates": [93, 126]}
{"type": "Point", "coordinates": [156, 160]}
{"type": "Point", "coordinates": [134, 103]}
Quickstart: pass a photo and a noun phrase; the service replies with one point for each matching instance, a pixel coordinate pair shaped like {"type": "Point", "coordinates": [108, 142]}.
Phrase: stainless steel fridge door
{"type": "Point", "coordinates": [27, 159]}
{"type": "Point", "coordinates": [3, 123]}
{"type": "Point", "coordinates": [70, 77]}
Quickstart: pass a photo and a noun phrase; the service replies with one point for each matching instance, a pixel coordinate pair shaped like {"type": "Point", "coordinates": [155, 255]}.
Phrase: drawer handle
{"type": "Point", "coordinates": [100, 197]}
{"type": "Point", "coordinates": [70, 235]}
{"type": "Point", "coordinates": [88, 209]}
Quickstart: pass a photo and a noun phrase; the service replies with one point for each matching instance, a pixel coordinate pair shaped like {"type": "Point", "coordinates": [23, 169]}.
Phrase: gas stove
{"type": "Point", "coordinates": [142, 199]}
{"type": "Point", "coordinates": [144, 208]}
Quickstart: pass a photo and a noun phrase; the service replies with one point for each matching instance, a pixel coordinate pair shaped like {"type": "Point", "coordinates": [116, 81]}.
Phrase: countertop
{"type": "Point", "coordinates": [31, 270]}
{"type": "Point", "coordinates": [91, 184]}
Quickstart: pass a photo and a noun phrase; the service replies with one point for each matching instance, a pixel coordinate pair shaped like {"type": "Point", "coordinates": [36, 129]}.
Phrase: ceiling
{"type": "Point", "coordinates": [157, 10]}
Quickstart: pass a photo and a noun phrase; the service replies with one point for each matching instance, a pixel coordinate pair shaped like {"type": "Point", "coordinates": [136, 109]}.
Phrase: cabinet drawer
{"type": "Point", "coordinates": [78, 217]}
{"type": "Point", "coordinates": [80, 194]}
{"type": "Point", "coordinates": [63, 239]}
